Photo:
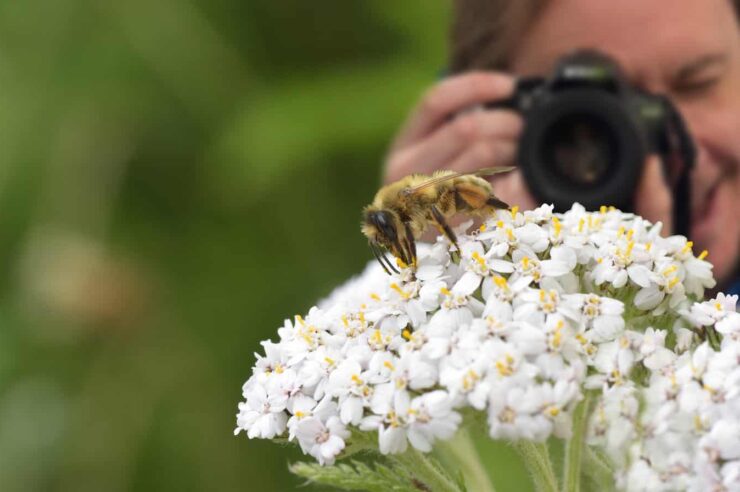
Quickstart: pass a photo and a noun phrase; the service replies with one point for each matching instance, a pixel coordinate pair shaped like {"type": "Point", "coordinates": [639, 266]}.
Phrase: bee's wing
{"type": "Point", "coordinates": [486, 171]}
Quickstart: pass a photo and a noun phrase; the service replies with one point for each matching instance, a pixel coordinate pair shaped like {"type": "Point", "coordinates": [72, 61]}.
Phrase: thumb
{"type": "Point", "coordinates": [653, 198]}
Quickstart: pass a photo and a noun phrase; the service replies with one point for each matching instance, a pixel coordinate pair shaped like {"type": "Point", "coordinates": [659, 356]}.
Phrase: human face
{"type": "Point", "coordinates": [686, 49]}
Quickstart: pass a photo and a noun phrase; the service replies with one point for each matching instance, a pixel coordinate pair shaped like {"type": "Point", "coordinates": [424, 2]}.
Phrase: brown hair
{"type": "Point", "coordinates": [483, 32]}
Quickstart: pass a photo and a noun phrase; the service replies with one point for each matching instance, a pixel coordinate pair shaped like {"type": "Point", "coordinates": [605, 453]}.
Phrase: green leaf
{"type": "Point", "coordinates": [427, 471]}
{"type": "Point", "coordinates": [598, 470]}
{"type": "Point", "coordinates": [357, 476]}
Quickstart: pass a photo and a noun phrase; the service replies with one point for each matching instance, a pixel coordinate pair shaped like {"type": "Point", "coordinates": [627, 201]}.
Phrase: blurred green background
{"type": "Point", "coordinates": [176, 178]}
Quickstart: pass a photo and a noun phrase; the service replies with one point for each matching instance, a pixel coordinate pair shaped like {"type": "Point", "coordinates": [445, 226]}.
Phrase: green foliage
{"type": "Point", "coordinates": [357, 476]}
{"type": "Point", "coordinates": [178, 177]}
{"type": "Point", "coordinates": [598, 471]}
{"type": "Point", "coordinates": [410, 471]}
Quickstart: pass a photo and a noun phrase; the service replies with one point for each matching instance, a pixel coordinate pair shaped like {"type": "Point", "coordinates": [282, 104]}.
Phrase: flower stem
{"type": "Point", "coordinates": [537, 460]}
{"type": "Point", "coordinates": [426, 472]}
{"type": "Point", "coordinates": [461, 452]}
{"type": "Point", "coordinates": [574, 446]}
{"type": "Point", "coordinates": [599, 469]}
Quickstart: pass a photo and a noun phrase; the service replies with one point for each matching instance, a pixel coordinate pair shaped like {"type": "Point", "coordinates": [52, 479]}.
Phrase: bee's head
{"type": "Point", "coordinates": [380, 226]}
{"type": "Point", "coordinates": [386, 232]}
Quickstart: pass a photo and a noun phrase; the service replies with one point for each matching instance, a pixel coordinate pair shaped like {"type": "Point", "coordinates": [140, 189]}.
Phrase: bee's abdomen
{"type": "Point", "coordinates": [471, 195]}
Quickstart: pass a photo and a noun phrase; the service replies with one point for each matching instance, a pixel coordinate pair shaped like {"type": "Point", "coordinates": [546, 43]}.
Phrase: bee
{"type": "Point", "coordinates": [401, 211]}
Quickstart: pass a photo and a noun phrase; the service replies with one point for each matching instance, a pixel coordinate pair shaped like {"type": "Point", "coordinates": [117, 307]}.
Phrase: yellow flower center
{"type": "Point", "coordinates": [505, 367]}
{"type": "Point", "coordinates": [481, 261]}
{"type": "Point", "coordinates": [552, 411]}
{"type": "Point", "coordinates": [404, 295]}
{"type": "Point", "coordinates": [469, 379]}
{"type": "Point", "coordinates": [557, 226]}
{"type": "Point", "coordinates": [507, 415]}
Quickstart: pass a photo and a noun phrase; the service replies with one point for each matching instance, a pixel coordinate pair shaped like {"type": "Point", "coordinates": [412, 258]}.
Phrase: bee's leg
{"type": "Point", "coordinates": [496, 203]}
{"type": "Point", "coordinates": [411, 244]}
{"type": "Point", "coordinates": [399, 251]}
{"type": "Point", "coordinates": [380, 256]}
{"type": "Point", "coordinates": [440, 219]}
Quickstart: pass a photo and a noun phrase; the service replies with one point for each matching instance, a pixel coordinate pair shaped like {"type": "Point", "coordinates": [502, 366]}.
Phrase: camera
{"type": "Point", "coordinates": [587, 133]}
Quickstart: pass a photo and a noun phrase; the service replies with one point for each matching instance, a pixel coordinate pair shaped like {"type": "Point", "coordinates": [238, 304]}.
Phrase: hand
{"type": "Point", "coordinates": [653, 199]}
{"type": "Point", "coordinates": [440, 134]}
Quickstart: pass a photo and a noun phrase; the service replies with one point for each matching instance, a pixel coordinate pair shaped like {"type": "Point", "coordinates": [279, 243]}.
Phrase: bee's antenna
{"type": "Point", "coordinates": [380, 256]}
{"type": "Point", "coordinates": [377, 257]}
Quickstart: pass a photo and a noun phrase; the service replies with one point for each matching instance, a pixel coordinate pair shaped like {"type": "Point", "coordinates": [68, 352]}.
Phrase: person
{"type": "Point", "coordinates": [688, 50]}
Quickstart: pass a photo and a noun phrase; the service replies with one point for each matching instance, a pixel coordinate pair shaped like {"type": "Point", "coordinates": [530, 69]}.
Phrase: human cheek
{"type": "Point", "coordinates": [722, 241]}
{"type": "Point", "coordinates": [714, 132]}
{"type": "Point", "coordinates": [714, 124]}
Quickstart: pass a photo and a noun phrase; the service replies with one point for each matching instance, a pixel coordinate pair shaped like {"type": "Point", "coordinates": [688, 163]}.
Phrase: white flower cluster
{"type": "Point", "coordinates": [534, 310]}
{"type": "Point", "coordinates": [681, 429]}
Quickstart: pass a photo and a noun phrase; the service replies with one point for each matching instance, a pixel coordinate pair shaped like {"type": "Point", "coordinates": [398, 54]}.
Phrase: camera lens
{"type": "Point", "coordinates": [581, 149]}
{"type": "Point", "coordinates": [581, 145]}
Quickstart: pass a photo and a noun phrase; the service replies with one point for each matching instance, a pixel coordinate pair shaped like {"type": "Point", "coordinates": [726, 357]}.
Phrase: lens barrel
{"type": "Point", "coordinates": [581, 145]}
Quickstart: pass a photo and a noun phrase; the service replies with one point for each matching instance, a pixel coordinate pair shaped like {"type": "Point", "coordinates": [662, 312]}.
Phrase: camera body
{"type": "Point", "coordinates": [587, 133]}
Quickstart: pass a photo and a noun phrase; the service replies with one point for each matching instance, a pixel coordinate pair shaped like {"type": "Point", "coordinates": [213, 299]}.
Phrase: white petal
{"type": "Point", "coordinates": [501, 266]}
{"type": "Point", "coordinates": [554, 268]}
{"type": "Point", "coordinates": [639, 274]}
{"type": "Point", "coordinates": [620, 279]}
{"type": "Point", "coordinates": [351, 410]}
{"type": "Point", "coordinates": [392, 440]}
{"type": "Point", "coordinates": [467, 284]}
{"type": "Point", "coordinates": [648, 298]}
{"type": "Point", "coordinates": [565, 255]}
{"type": "Point", "coordinates": [419, 440]}
{"type": "Point", "coordinates": [331, 448]}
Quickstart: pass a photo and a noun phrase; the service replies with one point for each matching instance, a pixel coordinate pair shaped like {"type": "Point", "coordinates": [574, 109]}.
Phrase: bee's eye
{"type": "Point", "coordinates": [384, 222]}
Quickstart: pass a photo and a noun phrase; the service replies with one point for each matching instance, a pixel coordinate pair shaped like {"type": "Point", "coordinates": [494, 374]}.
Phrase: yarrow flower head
{"type": "Point", "coordinates": [547, 325]}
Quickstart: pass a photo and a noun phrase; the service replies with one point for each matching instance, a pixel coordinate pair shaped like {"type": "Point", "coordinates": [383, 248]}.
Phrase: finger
{"type": "Point", "coordinates": [451, 140]}
{"type": "Point", "coordinates": [512, 189]}
{"type": "Point", "coordinates": [485, 153]}
{"type": "Point", "coordinates": [450, 96]}
{"type": "Point", "coordinates": [653, 198]}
